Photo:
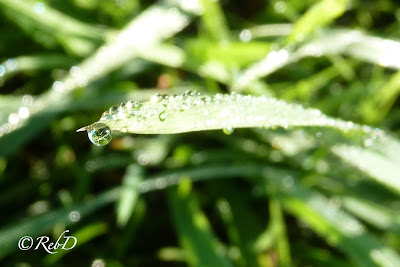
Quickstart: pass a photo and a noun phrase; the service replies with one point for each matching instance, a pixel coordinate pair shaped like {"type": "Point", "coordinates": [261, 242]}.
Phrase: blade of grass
{"type": "Point", "coordinates": [373, 213]}
{"type": "Point", "coordinates": [36, 62]}
{"type": "Point", "coordinates": [137, 36]}
{"type": "Point", "coordinates": [214, 21]}
{"type": "Point", "coordinates": [37, 16]}
{"type": "Point", "coordinates": [129, 194]}
{"type": "Point", "coordinates": [383, 169]}
{"type": "Point", "coordinates": [194, 112]}
{"type": "Point", "coordinates": [356, 44]}
{"type": "Point", "coordinates": [242, 223]}
{"type": "Point", "coordinates": [278, 224]}
{"type": "Point", "coordinates": [338, 227]}
{"type": "Point", "coordinates": [195, 234]}
{"type": "Point", "coordinates": [335, 225]}
{"type": "Point", "coordinates": [319, 15]}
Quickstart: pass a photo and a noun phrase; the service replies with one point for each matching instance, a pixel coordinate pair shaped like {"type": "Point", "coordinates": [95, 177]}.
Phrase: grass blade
{"type": "Point", "coordinates": [200, 245]}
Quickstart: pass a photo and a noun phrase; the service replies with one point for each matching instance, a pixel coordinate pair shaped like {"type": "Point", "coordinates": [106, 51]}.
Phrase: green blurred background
{"type": "Point", "coordinates": [286, 199]}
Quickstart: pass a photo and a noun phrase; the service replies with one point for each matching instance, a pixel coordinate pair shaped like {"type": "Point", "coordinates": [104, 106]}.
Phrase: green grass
{"type": "Point", "coordinates": [288, 155]}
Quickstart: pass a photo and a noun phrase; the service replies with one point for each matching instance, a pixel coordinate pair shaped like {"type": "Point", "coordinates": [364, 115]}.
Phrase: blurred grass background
{"type": "Point", "coordinates": [285, 199]}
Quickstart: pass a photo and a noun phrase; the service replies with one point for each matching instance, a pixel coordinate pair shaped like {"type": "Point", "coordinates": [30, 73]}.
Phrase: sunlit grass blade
{"type": "Point", "coordinates": [129, 194]}
{"type": "Point", "coordinates": [339, 228]}
{"type": "Point", "coordinates": [195, 112]}
{"type": "Point", "coordinates": [32, 16]}
{"type": "Point", "coordinates": [313, 18]}
{"type": "Point", "coordinates": [137, 36]}
{"type": "Point", "coordinates": [374, 213]}
{"type": "Point", "coordinates": [214, 21]}
{"type": "Point", "coordinates": [375, 108]}
{"type": "Point", "coordinates": [36, 62]}
{"type": "Point", "coordinates": [130, 230]}
{"type": "Point", "coordinates": [336, 226]}
{"type": "Point", "coordinates": [383, 169]}
{"type": "Point", "coordinates": [353, 43]}
{"type": "Point", "coordinates": [195, 234]}
{"type": "Point", "coordinates": [278, 225]}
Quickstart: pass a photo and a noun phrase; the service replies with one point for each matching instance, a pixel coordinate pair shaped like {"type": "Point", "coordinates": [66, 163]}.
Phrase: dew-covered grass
{"type": "Point", "coordinates": [221, 133]}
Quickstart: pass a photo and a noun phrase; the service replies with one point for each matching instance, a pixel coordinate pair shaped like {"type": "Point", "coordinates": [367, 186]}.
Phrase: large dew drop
{"type": "Point", "coordinates": [100, 134]}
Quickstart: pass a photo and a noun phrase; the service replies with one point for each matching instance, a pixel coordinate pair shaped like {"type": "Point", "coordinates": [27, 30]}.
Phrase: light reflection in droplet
{"type": "Point", "coordinates": [23, 112]}
{"type": "Point", "coordinates": [280, 7]}
{"type": "Point", "coordinates": [192, 6]}
{"type": "Point", "coordinates": [7, 128]}
{"type": "Point", "coordinates": [245, 36]}
{"type": "Point", "coordinates": [11, 64]}
{"type": "Point", "coordinates": [58, 86]}
{"type": "Point", "coordinates": [13, 118]}
{"type": "Point", "coordinates": [143, 159]}
{"type": "Point", "coordinates": [27, 100]}
{"type": "Point", "coordinates": [143, 188]}
{"type": "Point", "coordinates": [98, 263]}
{"type": "Point", "coordinates": [75, 71]}
{"type": "Point", "coordinates": [287, 182]}
{"type": "Point", "coordinates": [74, 216]}
{"type": "Point", "coordinates": [161, 183]}
{"type": "Point", "coordinates": [278, 57]}
{"type": "Point", "coordinates": [39, 7]}
{"type": "Point", "coordinates": [2, 70]}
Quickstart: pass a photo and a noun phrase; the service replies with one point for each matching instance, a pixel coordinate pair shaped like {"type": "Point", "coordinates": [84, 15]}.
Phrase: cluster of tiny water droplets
{"type": "Point", "coordinates": [191, 111]}
{"type": "Point", "coordinates": [224, 111]}
{"type": "Point", "coordinates": [7, 67]}
{"type": "Point", "coordinates": [16, 119]}
{"type": "Point", "coordinates": [165, 23]}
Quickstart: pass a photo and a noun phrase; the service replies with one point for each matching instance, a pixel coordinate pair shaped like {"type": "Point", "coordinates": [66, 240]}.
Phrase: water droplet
{"type": "Point", "coordinates": [143, 159]}
{"type": "Point", "coordinates": [228, 130]}
{"type": "Point", "coordinates": [162, 116]}
{"type": "Point", "coordinates": [2, 70]}
{"type": "Point", "coordinates": [39, 7]}
{"type": "Point", "coordinates": [287, 182]}
{"type": "Point", "coordinates": [106, 115]}
{"type": "Point", "coordinates": [13, 118]}
{"type": "Point", "coordinates": [100, 134]}
{"type": "Point", "coordinates": [156, 98]}
{"type": "Point", "coordinates": [368, 142]}
{"type": "Point", "coordinates": [74, 216]}
{"type": "Point", "coordinates": [280, 7]}
{"type": "Point", "coordinates": [27, 100]}
{"type": "Point", "coordinates": [75, 71]}
{"type": "Point", "coordinates": [245, 36]}
{"type": "Point", "coordinates": [187, 93]}
{"type": "Point", "coordinates": [58, 86]}
{"type": "Point", "coordinates": [11, 64]}
{"type": "Point", "coordinates": [140, 118]}
{"type": "Point", "coordinates": [23, 112]}
{"type": "Point", "coordinates": [113, 110]}
{"type": "Point", "coordinates": [161, 183]}
{"type": "Point", "coordinates": [98, 263]}
{"type": "Point", "coordinates": [132, 104]}
{"type": "Point", "coordinates": [184, 106]}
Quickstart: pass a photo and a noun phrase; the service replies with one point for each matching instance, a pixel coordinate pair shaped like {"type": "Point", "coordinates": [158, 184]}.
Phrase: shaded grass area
{"type": "Point", "coordinates": [282, 196]}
